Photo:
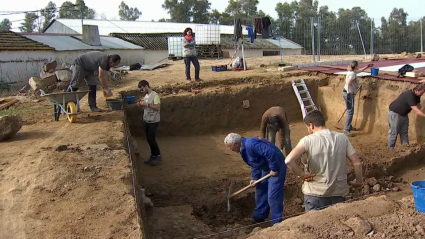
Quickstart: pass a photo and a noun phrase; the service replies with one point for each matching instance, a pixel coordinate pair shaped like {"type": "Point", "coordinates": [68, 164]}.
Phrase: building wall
{"type": "Point", "coordinates": [154, 56]}
{"type": "Point", "coordinates": [18, 66]}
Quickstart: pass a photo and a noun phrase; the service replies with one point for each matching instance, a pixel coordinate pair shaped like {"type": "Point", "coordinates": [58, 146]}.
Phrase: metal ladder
{"type": "Point", "coordinates": [304, 97]}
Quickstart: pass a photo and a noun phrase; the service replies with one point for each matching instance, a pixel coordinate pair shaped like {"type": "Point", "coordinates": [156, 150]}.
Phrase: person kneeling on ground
{"type": "Point", "coordinates": [398, 114]}
{"type": "Point", "coordinates": [325, 183]}
{"type": "Point", "coordinates": [93, 67]}
{"type": "Point", "coordinates": [274, 121]}
{"type": "Point", "coordinates": [151, 105]}
{"type": "Point", "coordinates": [264, 158]}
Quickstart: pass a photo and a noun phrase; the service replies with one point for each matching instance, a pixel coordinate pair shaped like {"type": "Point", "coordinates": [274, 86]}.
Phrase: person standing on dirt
{"type": "Point", "coordinates": [151, 105]}
{"type": "Point", "coordinates": [264, 158]}
{"type": "Point", "coordinates": [189, 54]}
{"type": "Point", "coordinates": [398, 114]}
{"type": "Point", "coordinates": [275, 121]}
{"type": "Point", "coordinates": [93, 67]}
{"type": "Point", "coordinates": [325, 175]}
{"type": "Point", "coordinates": [349, 92]}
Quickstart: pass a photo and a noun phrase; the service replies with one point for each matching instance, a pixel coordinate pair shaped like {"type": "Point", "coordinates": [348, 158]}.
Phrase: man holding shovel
{"type": "Point", "coordinates": [264, 158]}
{"type": "Point", "coordinates": [325, 172]}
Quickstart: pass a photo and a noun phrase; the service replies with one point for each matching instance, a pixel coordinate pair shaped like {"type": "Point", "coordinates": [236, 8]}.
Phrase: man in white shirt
{"type": "Point", "coordinates": [349, 92]}
{"type": "Point", "coordinates": [325, 168]}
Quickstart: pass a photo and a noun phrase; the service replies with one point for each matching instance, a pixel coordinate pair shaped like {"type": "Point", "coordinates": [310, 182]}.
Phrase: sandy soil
{"type": "Point", "coordinates": [82, 192]}
{"type": "Point", "coordinates": [85, 191]}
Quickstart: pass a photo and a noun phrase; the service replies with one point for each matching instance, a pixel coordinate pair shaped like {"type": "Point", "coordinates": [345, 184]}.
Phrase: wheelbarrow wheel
{"type": "Point", "coordinates": [71, 110]}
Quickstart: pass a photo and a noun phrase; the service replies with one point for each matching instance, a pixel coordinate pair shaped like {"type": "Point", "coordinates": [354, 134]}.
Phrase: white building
{"type": "Point", "coordinates": [152, 36]}
{"type": "Point", "coordinates": [23, 55]}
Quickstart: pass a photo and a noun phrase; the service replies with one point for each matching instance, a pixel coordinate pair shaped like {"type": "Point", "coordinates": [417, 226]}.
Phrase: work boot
{"type": "Point", "coordinates": [353, 129]}
{"type": "Point", "coordinates": [95, 109]}
{"type": "Point", "coordinates": [156, 160]}
{"type": "Point", "coordinates": [348, 133]}
{"type": "Point", "coordinates": [149, 160]}
{"type": "Point", "coordinates": [256, 219]}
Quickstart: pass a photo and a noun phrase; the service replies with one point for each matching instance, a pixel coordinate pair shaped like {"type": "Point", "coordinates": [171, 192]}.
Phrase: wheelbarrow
{"type": "Point", "coordinates": [67, 103]}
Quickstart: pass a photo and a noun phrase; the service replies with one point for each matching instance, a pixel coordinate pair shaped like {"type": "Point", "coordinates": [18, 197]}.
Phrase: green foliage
{"type": "Point", "coordinates": [5, 25]}
{"type": "Point", "coordinates": [48, 13]}
{"type": "Point", "coordinates": [127, 13]}
{"type": "Point", "coordinates": [76, 11]}
{"type": "Point", "coordinates": [29, 24]}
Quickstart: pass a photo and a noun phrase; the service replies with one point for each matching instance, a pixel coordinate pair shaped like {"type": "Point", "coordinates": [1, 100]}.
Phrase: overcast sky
{"type": "Point", "coordinates": [151, 9]}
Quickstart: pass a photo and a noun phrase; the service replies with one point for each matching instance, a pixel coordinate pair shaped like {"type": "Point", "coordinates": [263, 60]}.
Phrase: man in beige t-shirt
{"type": "Point", "coordinates": [325, 171]}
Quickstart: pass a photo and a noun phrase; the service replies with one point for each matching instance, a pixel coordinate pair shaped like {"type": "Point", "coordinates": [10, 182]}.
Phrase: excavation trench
{"type": "Point", "coordinates": [189, 188]}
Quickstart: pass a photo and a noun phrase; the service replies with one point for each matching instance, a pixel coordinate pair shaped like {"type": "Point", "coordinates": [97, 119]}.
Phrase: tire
{"type": "Point", "coordinates": [71, 108]}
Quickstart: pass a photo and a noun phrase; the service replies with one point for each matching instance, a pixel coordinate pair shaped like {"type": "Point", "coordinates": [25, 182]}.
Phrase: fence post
{"type": "Point", "coordinates": [319, 30]}
{"type": "Point", "coordinates": [371, 37]}
{"type": "Point", "coordinates": [312, 38]}
{"type": "Point", "coordinates": [422, 42]}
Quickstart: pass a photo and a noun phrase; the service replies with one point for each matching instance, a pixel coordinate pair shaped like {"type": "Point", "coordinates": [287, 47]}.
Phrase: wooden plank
{"type": "Point", "coordinates": [7, 102]}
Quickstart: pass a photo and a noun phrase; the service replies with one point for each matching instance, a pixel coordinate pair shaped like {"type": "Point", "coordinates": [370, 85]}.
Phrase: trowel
{"type": "Point", "coordinates": [230, 194]}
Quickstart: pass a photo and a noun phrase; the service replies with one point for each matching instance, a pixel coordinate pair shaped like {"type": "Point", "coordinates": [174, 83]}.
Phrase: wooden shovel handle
{"type": "Point", "coordinates": [247, 187]}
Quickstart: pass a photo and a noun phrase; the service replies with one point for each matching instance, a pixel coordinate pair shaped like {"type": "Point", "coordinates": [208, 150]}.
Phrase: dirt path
{"type": "Point", "coordinates": [81, 192]}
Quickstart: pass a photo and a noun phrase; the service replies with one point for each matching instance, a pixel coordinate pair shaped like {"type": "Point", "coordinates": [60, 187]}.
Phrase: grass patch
{"type": "Point", "coordinates": [15, 111]}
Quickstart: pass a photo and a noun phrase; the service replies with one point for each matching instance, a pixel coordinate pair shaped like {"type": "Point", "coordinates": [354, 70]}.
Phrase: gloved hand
{"type": "Point", "coordinates": [356, 185]}
{"type": "Point", "coordinates": [308, 177]}
{"type": "Point", "coordinates": [107, 93]}
{"type": "Point", "coordinates": [370, 65]}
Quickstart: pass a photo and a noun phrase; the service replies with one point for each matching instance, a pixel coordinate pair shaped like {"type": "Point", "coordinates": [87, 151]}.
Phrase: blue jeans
{"type": "Point", "coordinates": [349, 102]}
{"type": "Point", "coordinates": [194, 60]}
{"type": "Point", "coordinates": [269, 196]}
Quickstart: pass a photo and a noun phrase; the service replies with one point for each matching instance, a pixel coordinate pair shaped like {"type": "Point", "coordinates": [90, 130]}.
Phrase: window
{"type": "Point", "coordinates": [271, 53]}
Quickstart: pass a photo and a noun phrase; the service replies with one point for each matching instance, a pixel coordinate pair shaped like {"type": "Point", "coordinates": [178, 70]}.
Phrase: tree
{"type": "Point", "coordinates": [285, 21]}
{"type": "Point", "coordinates": [5, 25]}
{"type": "Point", "coordinates": [48, 14]}
{"type": "Point", "coordinates": [243, 9]}
{"type": "Point", "coordinates": [200, 11]}
{"type": "Point", "coordinates": [76, 11]}
{"type": "Point", "coordinates": [215, 17]}
{"type": "Point", "coordinates": [127, 13]}
{"type": "Point", "coordinates": [29, 23]}
{"type": "Point", "coordinates": [179, 10]}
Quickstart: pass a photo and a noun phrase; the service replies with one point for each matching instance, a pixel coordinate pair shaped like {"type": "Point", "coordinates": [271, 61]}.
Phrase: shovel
{"type": "Point", "coordinates": [339, 126]}
{"type": "Point", "coordinates": [230, 194]}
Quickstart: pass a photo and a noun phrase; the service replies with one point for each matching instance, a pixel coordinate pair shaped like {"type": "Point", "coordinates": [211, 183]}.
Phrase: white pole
{"type": "Point", "coordinates": [361, 38]}
{"type": "Point", "coordinates": [422, 43]}
{"type": "Point", "coordinates": [243, 56]}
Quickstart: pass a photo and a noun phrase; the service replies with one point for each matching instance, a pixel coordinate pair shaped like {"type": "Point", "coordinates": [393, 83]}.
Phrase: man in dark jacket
{"type": "Point", "coordinates": [264, 158]}
{"type": "Point", "coordinates": [93, 67]}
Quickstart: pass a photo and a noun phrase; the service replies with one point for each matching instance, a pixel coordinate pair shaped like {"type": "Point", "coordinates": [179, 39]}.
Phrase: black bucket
{"type": "Point", "coordinates": [114, 104]}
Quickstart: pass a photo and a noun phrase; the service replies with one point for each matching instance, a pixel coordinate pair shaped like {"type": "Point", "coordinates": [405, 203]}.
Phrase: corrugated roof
{"type": "Point", "coordinates": [10, 41]}
{"type": "Point", "coordinates": [156, 41]}
{"type": "Point", "coordinates": [107, 27]}
{"type": "Point", "coordinates": [159, 41]}
{"type": "Point", "coordinates": [259, 43]}
{"type": "Point", "coordinates": [74, 42]}
{"type": "Point", "coordinates": [285, 43]}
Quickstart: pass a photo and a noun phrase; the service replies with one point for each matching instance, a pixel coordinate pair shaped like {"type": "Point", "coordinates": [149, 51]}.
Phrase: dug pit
{"type": "Point", "coordinates": [190, 187]}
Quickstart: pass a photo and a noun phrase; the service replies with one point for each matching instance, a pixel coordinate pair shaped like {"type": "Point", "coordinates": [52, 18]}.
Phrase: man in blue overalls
{"type": "Point", "coordinates": [264, 158]}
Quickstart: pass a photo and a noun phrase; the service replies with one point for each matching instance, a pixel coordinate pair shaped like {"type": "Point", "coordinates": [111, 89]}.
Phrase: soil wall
{"type": "Point", "coordinates": [371, 106]}
{"type": "Point", "coordinates": [219, 108]}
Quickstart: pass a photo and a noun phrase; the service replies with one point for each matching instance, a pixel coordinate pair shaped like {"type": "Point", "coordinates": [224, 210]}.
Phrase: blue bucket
{"type": "Point", "coordinates": [374, 71]}
{"type": "Point", "coordinates": [418, 189]}
{"type": "Point", "coordinates": [131, 99]}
